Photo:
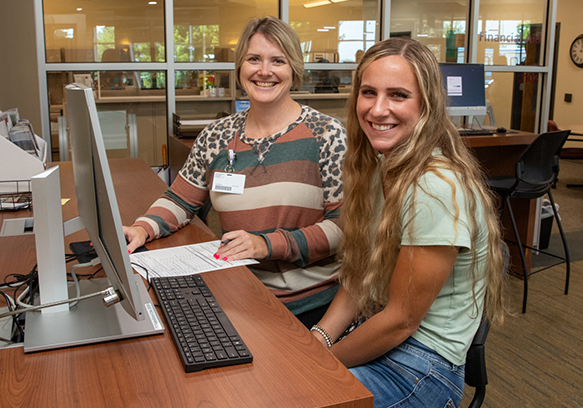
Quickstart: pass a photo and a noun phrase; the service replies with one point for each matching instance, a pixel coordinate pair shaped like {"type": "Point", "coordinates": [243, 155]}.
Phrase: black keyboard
{"type": "Point", "coordinates": [202, 332]}
{"type": "Point", "coordinates": [476, 132]}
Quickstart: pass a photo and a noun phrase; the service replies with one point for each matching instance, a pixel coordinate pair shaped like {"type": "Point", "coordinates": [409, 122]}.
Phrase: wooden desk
{"type": "Point", "coordinates": [498, 155]}
{"type": "Point", "coordinates": [290, 367]}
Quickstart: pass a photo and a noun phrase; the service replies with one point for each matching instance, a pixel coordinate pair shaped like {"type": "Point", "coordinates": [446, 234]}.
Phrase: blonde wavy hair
{"type": "Point", "coordinates": [367, 267]}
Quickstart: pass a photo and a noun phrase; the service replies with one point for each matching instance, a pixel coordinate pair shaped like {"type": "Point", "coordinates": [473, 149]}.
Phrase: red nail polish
{"type": "Point", "coordinates": [225, 258]}
{"type": "Point", "coordinates": [216, 256]}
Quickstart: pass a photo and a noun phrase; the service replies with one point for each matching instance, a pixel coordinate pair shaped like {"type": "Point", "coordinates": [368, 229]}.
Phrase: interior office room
{"type": "Point", "coordinates": [130, 52]}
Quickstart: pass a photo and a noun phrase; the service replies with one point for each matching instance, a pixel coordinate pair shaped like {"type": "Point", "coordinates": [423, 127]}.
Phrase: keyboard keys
{"type": "Point", "coordinates": [202, 333]}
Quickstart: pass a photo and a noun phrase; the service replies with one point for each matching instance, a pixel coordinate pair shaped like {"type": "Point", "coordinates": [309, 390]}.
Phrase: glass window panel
{"type": "Point", "coordinates": [351, 30]}
{"type": "Point", "coordinates": [441, 26]}
{"type": "Point", "coordinates": [103, 31]}
{"type": "Point", "coordinates": [332, 30]}
{"type": "Point", "coordinates": [510, 33]}
{"type": "Point", "coordinates": [513, 97]}
{"type": "Point", "coordinates": [208, 31]}
{"type": "Point", "coordinates": [348, 50]}
{"type": "Point", "coordinates": [115, 84]}
{"type": "Point", "coordinates": [337, 83]}
{"type": "Point", "coordinates": [132, 106]}
{"type": "Point", "coordinates": [326, 91]}
{"type": "Point", "coordinates": [326, 82]}
{"type": "Point", "coordinates": [202, 110]}
{"type": "Point", "coordinates": [213, 84]}
{"type": "Point", "coordinates": [202, 95]}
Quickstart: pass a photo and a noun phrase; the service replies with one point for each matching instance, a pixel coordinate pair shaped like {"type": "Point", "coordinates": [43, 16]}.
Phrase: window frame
{"type": "Point", "coordinates": [384, 7]}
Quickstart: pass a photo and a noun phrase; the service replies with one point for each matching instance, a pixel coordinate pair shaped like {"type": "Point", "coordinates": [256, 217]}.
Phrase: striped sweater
{"type": "Point", "coordinates": [292, 197]}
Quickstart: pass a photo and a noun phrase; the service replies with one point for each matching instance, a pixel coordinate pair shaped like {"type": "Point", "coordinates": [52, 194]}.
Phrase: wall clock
{"type": "Point", "coordinates": [576, 51]}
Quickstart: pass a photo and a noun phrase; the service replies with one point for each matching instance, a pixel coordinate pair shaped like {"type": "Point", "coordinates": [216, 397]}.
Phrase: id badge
{"type": "Point", "coordinates": [228, 183]}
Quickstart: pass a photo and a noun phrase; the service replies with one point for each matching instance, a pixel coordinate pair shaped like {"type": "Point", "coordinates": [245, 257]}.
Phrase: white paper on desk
{"type": "Point", "coordinates": [183, 260]}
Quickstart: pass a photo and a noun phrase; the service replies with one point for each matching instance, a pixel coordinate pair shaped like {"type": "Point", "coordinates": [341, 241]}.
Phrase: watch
{"type": "Point", "coordinates": [576, 51]}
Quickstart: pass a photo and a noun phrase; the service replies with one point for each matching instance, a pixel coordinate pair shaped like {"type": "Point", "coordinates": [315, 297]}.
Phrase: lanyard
{"type": "Point", "coordinates": [229, 182]}
{"type": "Point", "coordinates": [232, 157]}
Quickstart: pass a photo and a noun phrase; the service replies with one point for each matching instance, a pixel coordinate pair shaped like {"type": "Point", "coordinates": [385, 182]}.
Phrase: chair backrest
{"type": "Point", "coordinates": [204, 211]}
{"type": "Point", "coordinates": [476, 374]}
{"type": "Point", "coordinates": [539, 163]}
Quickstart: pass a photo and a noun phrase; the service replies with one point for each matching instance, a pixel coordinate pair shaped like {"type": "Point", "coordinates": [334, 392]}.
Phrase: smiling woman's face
{"type": "Point", "coordinates": [266, 74]}
{"type": "Point", "coordinates": [389, 102]}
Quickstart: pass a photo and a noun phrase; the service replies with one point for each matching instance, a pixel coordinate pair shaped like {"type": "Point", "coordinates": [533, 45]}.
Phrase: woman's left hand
{"type": "Point", "coordinates": [237, 245]}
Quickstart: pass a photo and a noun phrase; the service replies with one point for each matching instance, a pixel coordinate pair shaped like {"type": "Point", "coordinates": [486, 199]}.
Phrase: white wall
{"type": "Point", "coordinates": [569, 76]}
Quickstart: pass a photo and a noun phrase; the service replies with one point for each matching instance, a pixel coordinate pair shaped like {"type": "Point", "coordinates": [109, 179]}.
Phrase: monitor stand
{"type": "Point", "coordinates": [90, 321]}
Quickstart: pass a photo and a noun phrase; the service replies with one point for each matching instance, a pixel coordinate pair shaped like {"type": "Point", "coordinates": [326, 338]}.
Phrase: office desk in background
{"type": "Point", "coordinates": [498, 155]}
{"type": "Point", "coordinates": [290, 368]}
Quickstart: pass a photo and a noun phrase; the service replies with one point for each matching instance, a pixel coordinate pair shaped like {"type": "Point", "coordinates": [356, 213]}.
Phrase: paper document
{"type": "Point", "coordinates": [454, 86]}
{"type": "Point", "coordinates": [183, 260]}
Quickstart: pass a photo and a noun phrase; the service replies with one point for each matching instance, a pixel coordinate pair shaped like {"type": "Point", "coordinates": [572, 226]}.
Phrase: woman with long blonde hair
{"type": "Point", "coordinates": [421, 252]}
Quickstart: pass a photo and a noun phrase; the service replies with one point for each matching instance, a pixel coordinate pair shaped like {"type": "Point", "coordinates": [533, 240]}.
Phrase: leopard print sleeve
{"type": "Point", "coordinates": [214, 138]}
{"type": "Point", "coordinates": [331, 137]}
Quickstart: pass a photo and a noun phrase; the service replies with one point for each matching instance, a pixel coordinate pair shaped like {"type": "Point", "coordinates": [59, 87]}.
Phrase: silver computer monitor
{"type": "Point", "coordinates": [96, 200]}
{"type": "Point", "coordinates": [131, 313]}
{"type": "Point", "coordinates": [465, 88]}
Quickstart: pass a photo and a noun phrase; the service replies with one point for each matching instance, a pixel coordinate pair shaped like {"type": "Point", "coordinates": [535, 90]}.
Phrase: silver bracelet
{"type": "Point", "coordinates": [324, 334]}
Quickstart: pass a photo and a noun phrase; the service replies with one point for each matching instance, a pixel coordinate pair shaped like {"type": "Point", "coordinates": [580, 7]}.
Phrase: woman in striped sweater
{"type": "Point", "coordinates": [290, 156]}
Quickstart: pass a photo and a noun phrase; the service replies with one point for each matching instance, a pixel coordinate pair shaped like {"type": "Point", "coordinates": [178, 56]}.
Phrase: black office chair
{"type": "Point", "coordinates": [476, 374]}
{"type": "Point", "coordinates": [536, 170]}
{"type": "Point", "coordinates": [204, 211]}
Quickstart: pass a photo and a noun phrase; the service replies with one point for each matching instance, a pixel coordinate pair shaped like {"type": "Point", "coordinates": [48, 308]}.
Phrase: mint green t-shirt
{"type": "Point", "coordinates": [451, 322]}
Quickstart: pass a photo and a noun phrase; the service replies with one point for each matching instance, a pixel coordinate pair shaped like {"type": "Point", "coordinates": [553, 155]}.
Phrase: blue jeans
{"type": "Point", "coordinates": [412, 375]}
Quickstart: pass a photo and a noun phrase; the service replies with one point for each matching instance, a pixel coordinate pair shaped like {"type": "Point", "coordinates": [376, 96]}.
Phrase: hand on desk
{"type": "Point", "coordinates": [135, 236]}
{"type": "Point", "coordinates": [242, 245]}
